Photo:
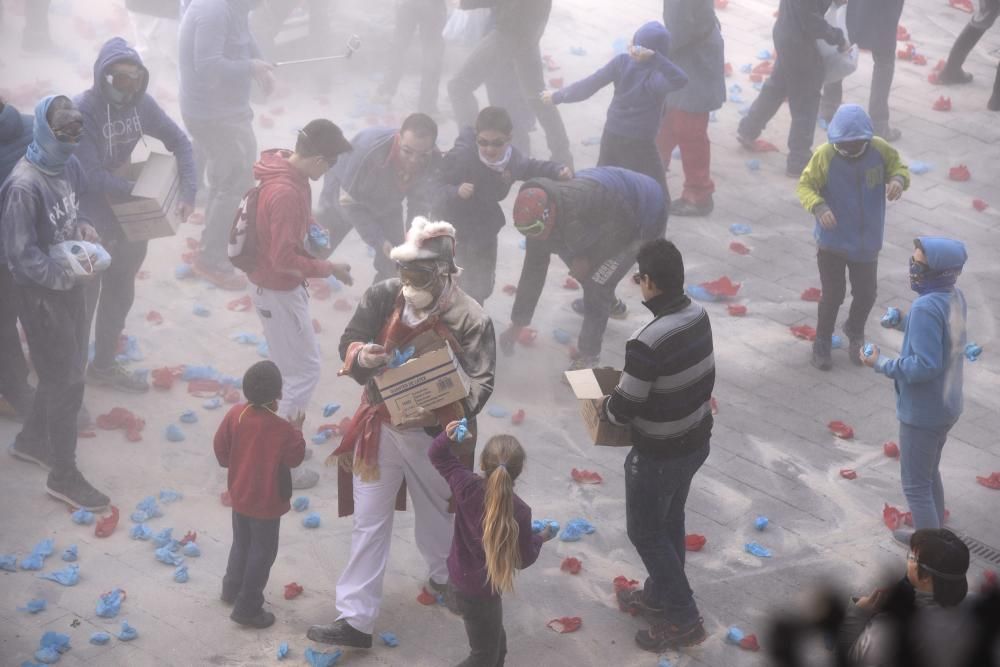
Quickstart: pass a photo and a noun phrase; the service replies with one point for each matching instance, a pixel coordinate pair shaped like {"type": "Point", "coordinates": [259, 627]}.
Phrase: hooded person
{"type": "Point", "coordinates": [379, 460]}
{"type": "Point", "coordinates": [642, 78]}
{"type": "Point", "coordinates": [927, 375]}
{"type": "Point", "coordinates": [594, 223]}
{"type": "Point", "coordinates": [40, 212]}
{"type": "Point", "coordinates": [118, 113]}
{"type": "Point", "coordinates": [845, 186]}
{"type": "Point", "coordinates": [15, 135]}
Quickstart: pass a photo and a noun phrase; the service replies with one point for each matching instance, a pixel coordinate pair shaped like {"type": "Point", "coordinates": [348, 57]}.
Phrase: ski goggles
{"type": "Point", "coordinates": [417, 277]}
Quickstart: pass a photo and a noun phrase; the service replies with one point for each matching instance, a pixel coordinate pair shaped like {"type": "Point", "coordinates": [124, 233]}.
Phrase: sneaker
{"type": "Point", "coordinates": [745, 142]}
{"type": "Point", "coordinates": [448, 593]}
{"type": "Point", "coordinates": [619, 311]}
{"type": "Point", "coordinates": [262, 619]}
{"type": "Point", "coordinates": [821, 356]}
{"type": "Point", "coordinates": [949, 77]}
{"type": "Point", "coordinates": [304, 478]}
{"type": "Point", "coordinates": [223, 277]}
{"type": "Point", "coordinates": [40, 459]}
{"type": "Point", "coordinates": [117, 377]}
{"type": "Point", "coordinates": [662, 636]}
{"type": "Point", "coordinates": [634, 600]}
{"type": "Point", "coordinates": [340, 633]}
{"type": "Point", "coordinates": [687, 209]}
{"type": "Point", "coordinates": [73, 489]}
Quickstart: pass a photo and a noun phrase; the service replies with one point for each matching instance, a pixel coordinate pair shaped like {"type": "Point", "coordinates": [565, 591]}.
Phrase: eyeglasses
{"type": "Point", "coordinates": [124, 79]}
{"type": "Point", "coordinates": [415, 154]}
{"type": "Point", "coordinates": [637, 277]}
{"type": "Point", "coordinates": [496, 143]}
{"type": "Point", "coordinates": [71, 133]}
{"type": "Point", "coordinates": [417, 277]}
{"type": "Point", "coordinates": [532, 229]}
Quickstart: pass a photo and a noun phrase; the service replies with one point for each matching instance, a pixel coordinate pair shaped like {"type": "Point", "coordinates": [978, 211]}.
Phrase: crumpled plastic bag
{"type": "Point", "coordinates": [758, 550]}
{"type": "Point", "coordinates": [890, 449]}
{"type": "Point", "coordinates": [389, 639]}
{"type": "Point", "coordinates": [918, 167]}
{"type": "Point", "coordinates": [960, 173]}
{"type": "Point", "coordinates": [188, 417]}
{"type": "Point", "coordinates": [739, 228]}
{"type": "Point", "coordinates": [8, 562]}
{"type": "Point", "coordinates": [812, 294]}
{"type": "Point", "coordinates": [181, 574]}
{"type": "Point", "coordinates": [991, 481]}
{"type": "Point", "coordinates": [399, 357]}
{"type": "Point", "coordinates": [517, 418]}
{"type": "Point", "coordinates": [100, 638]}
{"type": "Point", "coordinates": [565, 625]}
{"type": "Point", "coordinates": [212, 403]}
{"type": "Point", "coordinates": [562, 336]}
{"type": "Point", "coordinates": [140, 531]}
{"type": "Point", "coordinates": [761, 522]}
{"type": "Point", "coordinates": [300, 504]}
{"type": "Point", "coordinates": [980, 204]}
{"type": "Point", "coordinates": [585, 476]}
{"type": "Point", "coordinates": [892, 517]}
{"type": "Point", "coordinates": [841, 430]}
{"type": "Point", "coordinates": [694, 542]}
{"type": "Point", "coordinates": [330, 409]}
{"type": "Point", "coordinates": [293, 590]}
{"type": "Point", "coordinates": [739, 248]}
{"type": "Point", "coordinates": [282, 650]}
{"type": "Point", "coordinates": [803, 331]}
{"type": "Point", "coordinates": [498, 411]}
{"type": "Point", "coordinates": [109, 604]}
{"type": "Point", "coordinates": [106, 524]}
{"type": "Point", "coordinates": [201, 310]}
{"type": "Point", "coordinates": [462, 430]}
{"type": "Point", "coordinates": [311, 520]}
{"type": "Point", "coordinates": [721, 288]}
{"type": "Point", "coordinates": [174, 433]}
{"type": "Point", "coordinates": [168, 496]}
{"type": "Point", "coordinates": [128, 633]}
{"type": "Point", "coordinates": [149, 507]}
{"type": "Point", "coordinates": [191, 549]}
{"type": "Point", "coordinates": [54, 640]}
{"type": "Point", "coordinates": [36, 559]}
{"type": "Point", "coordinates": [576, 529]}
{"type": "Point", "coordinates": [120, 418]}
{"type": "Point", "coordinates": [538, 525]}
{"type": "Point", "coordinates": [848, 473]}
{"type": "Point", "coordinates": [82, 517]}
{"type": "Point", "coordinates": [972, 351]}
{"type": "Point", "coordinates": [321, 659]}
{"type": "Point", "coordinates": [70, 554]}
{"type": "Point", "coordinates": [571, 565]}
{"type": "Point", "coordinates": [34, 606]}
{"type": "Point", "coordinates": [168, 557]}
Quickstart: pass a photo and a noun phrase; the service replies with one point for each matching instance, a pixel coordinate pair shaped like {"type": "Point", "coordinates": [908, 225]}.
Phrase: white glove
{"type": "Point", "coordinates": [372, 356]}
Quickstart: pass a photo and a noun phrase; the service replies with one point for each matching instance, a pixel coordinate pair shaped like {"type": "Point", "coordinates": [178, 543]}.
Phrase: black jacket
{"type": "Point", "coordinates": [800, 23]}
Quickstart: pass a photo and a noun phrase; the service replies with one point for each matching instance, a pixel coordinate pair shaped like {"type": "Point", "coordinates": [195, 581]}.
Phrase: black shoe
{"type": "Point", "coordinates": [340, 633]}
{"type": "Point", "coordinates": [262, 619]}
{"type": "Point", "coordinates": [635, 600]}
{"type": "Point", "coordinates": [36, 456]}
{"type": "Point", "coordinates": [821, 356]}
{"type": "Point", "coordinates": [665, 635]}
{"type": "Point", "coordinates": [71, 488]}
{"type": "Point", "coordinates": [746, 142]}
{"type": "Point", "coordinates": [619, 311]}
{"type": "Point", "coordinates": [994, 103]}
{"type": "Point", "coordinates": [687, 209]}
{"type": "Point", "coordinates": [957, 77]}
{"type": "Point", "coordinates": [448, 594]}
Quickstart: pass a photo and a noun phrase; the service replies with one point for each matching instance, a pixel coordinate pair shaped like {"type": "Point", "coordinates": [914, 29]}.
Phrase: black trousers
{"type": "Point", "coordinates": [638, 155]}
{"type": "Point", "coordinates": [111, 297]}
{"type": "Point", "coordinates": [255, 546]}
{"type": "Point", "coordinates": [14, 385]}
{"type": "Point", "coordinates": [55, 325]}
{"type": "Point", "coordinates": [429, 18]}
{"type": "Point", "coordinates": [478, 258]}
{"type": "Point", "coordinates": [483, 617]}
{"type": "Point", "coordinates": [832, 279]}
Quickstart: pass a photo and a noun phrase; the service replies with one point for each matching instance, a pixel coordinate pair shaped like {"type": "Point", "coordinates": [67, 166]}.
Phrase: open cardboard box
{"type": "Point", "coordinates": [590, 386]}
{"type": "Point", "coordinates": [150, 211]}
{"type": "Point", "coordinates": [432, 380]}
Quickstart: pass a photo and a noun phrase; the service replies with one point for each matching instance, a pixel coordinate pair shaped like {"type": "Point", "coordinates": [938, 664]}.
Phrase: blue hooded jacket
{"type": "Point", "coordinates": [853, 189]}
{"type": "Point", "coordinates": [638, 193]}
{"type": "Point", "coordinates": [15, 135]}
{"type": "Point", "coordinates": [111, 132]}
{"type": "Point", "coordinates": [928, 372]}
{"type": "Point", "coordinates": [640, 88]}
{"type": "Point", "coordinates": [215, 49]}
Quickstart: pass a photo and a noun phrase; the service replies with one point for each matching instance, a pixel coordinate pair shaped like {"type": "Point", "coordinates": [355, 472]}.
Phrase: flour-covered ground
{"type": "Point", "coordinates": [772, 454]}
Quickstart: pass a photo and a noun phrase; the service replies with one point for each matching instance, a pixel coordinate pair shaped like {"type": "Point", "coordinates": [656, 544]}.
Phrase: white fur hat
{"type": "Point", "coordinates": [427, 240]}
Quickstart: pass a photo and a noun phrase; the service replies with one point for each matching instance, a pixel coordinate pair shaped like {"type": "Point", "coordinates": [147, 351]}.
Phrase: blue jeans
{"type": "Point", "coordinates": [920, 457]}
{"type": "Point", "coordinates": [655, 493]}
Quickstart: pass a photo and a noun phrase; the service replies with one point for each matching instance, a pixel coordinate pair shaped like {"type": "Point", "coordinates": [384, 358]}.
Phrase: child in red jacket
{"type": "Point", "coordinates": [259, 448]}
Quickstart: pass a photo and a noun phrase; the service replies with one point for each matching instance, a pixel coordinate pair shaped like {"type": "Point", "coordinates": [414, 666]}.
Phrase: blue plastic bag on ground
{"type": "Point", "coordinates": [109, 604]}
{"type": "Point", "coordinates": [282, 650]}
{"type": "Point", "coordinates": [760, 523]}
{"type": "Point", "coordinates": [972, 352]}
{"type": "Point", "coordinates": [34, 606]}
{"type": "Point", "coordinates": [149, 506]}
{"type": "Point", "coordinates": [757, 550]}
{"type": "Point", "coordinates": [168, 557]}
{"type": "Point", "coordinates": [575, 529]}
{"type": "Point", "coordinates": [54, 640]}
{"type": "Point", "coordinates": [200, 310]}
{"type": "Point", "coordinates": [311, 520]}
{"type": "Point", "coordinates": [174, 433]}
{"type": "Point", "coordinates": [68, 576]}
{"type": "Point", "coordinates": [70, 554]}
{"type": "Point", "coordinates": [320, 659]}
{"type": "Point", "coordinates": [300, 504]}
{"type": "Point", "coordinates": [330, 409]}
{"type": "Point", "coordinates": [191, 549]}
{"type": "Point", "coordinates": [140, 531]}
{"type": "Point", "coordinates": [188, 417]}
{"type": "Point", "coordinates": [8, 562]}
{"type": "Point", "coordinates": [918, 167]}
{"type": "Point", "coordinates": [128, 633]}
{"type": "Point", "coordinates": [82, 517]}
{"type": "Point", "coordinates": [498, 411]}
{"type": "Point", "coordinates": [100, 638]}
{"type": "Point", "coordinates": [562, 336]}
{"type": "Point", "coordinates": [739, 228]}
{"type": "Point", "coordinates": [41, 551]}
{"type": "Point", "coordinates": [168, 496]}
{"type": "Point", "coordinates": [263, 350]}
{"type": "Point", "coordinates": [163, 538]}
{"type": "Point", "coordinates": [212, 403]}
{"type": "Point", "coordinates": [181, 574]}
{"type": "Point", "coordinates": [734, 635]}
{"type": "Point", "coordinates": [753, 164]}
{"type": "Point", "coordinates": [388, 639]}
{"type": "Point", "coordinates": [246, 338]}
{"type": "Point", "coordinates": [200, 373]}
{"type": "Point", "coordinates": [893, 316]}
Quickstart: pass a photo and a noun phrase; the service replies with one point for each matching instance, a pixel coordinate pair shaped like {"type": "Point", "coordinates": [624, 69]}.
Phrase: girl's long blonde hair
{"type": "Point", "coordinates": [502, 460]}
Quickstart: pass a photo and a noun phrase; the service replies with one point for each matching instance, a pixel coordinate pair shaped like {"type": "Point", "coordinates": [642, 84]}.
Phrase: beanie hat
{"type": "Point", "coordinates": [427, 241]}
{"type": "Point", "coordinates": [534, 215]}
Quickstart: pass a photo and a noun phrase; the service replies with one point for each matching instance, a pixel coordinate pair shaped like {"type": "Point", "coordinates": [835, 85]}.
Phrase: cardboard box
{"type": "Point", "coordinates": [591, 385]}
{"type": "Point", "coordinates": [150, 211]}
{"type": "Point", "coordinates": [432, 380]}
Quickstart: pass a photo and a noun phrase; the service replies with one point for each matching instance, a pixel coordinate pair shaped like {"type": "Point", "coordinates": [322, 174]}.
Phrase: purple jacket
{"type": "Point", "coordinates": [467, 560]}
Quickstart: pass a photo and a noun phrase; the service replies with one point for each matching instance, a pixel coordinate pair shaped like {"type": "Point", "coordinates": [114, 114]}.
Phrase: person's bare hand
{"type": "Point", "coordinates": [873, 602]}
{"type": "Point", "coordinates": [548, 532]}
{"type": "Point", "coordinates": [89, 234]}
{"type": "Point", "coordinates": [894, 190]}
{"type": "Point", "coordinates": [870, 359]}
{"type": "Point", "coordinates": [547, 98]}
{"type": "Point", "coordinates": [827, 220]}
{"type": "Point", "coordinates": [450, 430]}
{"type": "Point", "coordinates": [565, 174]}
{"type": "Point", "coordinates": [640, 54]}
{"type": "Point", "coordinates": [297, 420]}
{"type": "Point", "coordinates": [342, 272]}
{"type": "Point", "coordinates": [466, 190]}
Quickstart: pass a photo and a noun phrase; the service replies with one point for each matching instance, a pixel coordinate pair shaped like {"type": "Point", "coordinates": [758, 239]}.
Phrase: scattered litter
{"type": "Point", "coordinates": [168, 557]}
{"type": "Point", "coordinates": [841, 430]}
{"type": "Point", "coordinates": [902, 34]}
{"type": "Point", "coordinates": [739, 228]}
{"type": "Point", "coordinates": [245, 338]}
{"type": "Point", "coordinates": [736, 309]}
{"type": "Point", "coordinates": [164, 537]}
{"type": "Point", "coordinates": [942, 103]}
{"type": "Point", "coordinates": [577, 51]}
{"type": "Point", "coordinates": [735, 88]}
{"type": "Point", "coordinates": [343, 305]}
{"type": "Point", "coordinates": [34, 606]}
{"type": "Point", "coordinates": [241, 304]}
{"type": "Point", "coordinates": [918, 167]}
{"type": "Point", "coordinates": [146, 509]}
{"type": "Point", "coordinates": [764, 54]}
{"type": "Point", "coordinates": [498, 411]}
{"type": "Point", "coordinates": [727, 69]}
{"type": "Point", "coordinates": [813, 294]}
{"type": "Point", "coordinates": [972, 351]}
{"type": "Point", "coordinates": [140, 532]}
{"type": "Point", "coordinates": [527, 336]}
{"type": "Point", "coordinates": [509, 290]}
{"type": "Point", "coordinates": [756, 549]}
{"type": "Point", "coordinates": [517, 418]}
{"type": "Point", "coordinates": [330, 409]}
{"type": "Point", "coordinates": [128, 633]}
{"type": "Point", "coordinates": [282, 650]}
{"type": "Point", "coordinates": [70, 554]}
{"type": "Point", "coordinates": [963, 5]}
{"type": "Point", "coordinates": [623, 583]}
{"type": "Point", "coordinates": [721, 288]}
{"type": "Point", "coordinates": [263, 349]}
{"type": "Point", "coordinates": [462, 430]}
{"type": "Point", "coordinates": [538, 525]}
{"type": "Point", "coordinates": [51, 647]}
{"type": "Point", "coordinates": [739, 248]}
{"type": "Point", "coordinates": [36, 560]}
{"type": "Point", "coordinates": [109, 604]}
{"type": "Point", "coordinates": [212, 403]}
{"type": "Point", "coordinates": [746, 68]}
{"type": "Point", "coordinates": [562, 336]}
{"type": "Point", "coordinates": [979, 205]}
{"type": "Point", "coordinates": [398, 358]}
{"type": "Point", "coordinates": [992, 481]}
{"type": "Point", "coordinates": [106, 525]}
{"type": "Point", "coordinates": [322, 437]}
{"type": "Point", "coordinates": [803, 331]}
{"type": "Point", "coordinates": [100, 638]}
{"type": "Point", "coordinates": [753, 165]}
{"type": "Point", "coordinates": [181, 574]}
{"type": "Point", "coordinates": [892, 517]}
{"type": "Point", "coordinates": [760, 523]}
{"type": "Point", "coordinates": [736, 98]}
{"type": "Point", "coordinates": [154, 317]}
{"type": "Point", "coordinates": [763, 69]}
{"type": "Point", "coordinates": [388, 639]}
{"type": "Point", "coordinates": [120, 418]}
{"type": "Point", "coordinates": [300, 504]}
{"type": "Point", "coordinates": [292, 591]}
{"type": "Point", "coordinates": [200, 310]}
{"type": "Point", "coordinates": [425, 598]}
{"type": "Point", "coordinates": [694, 542]}
{"type": "Point", "coordinates": [191, 549]}
{"type": "Point", "coordinates": [163, 378]}
{"type": "Point", "coordinates": [571, 565]}
{"type": "Point", "coordinates": [82, 517]}
{"type": "Point", "coordinates": [890, 449]}
{"type": "Point", "coordinates": [174, 433]}
{"type": "Point", "coordinates": [848, 473]}
{"type": "Point", "coordinates": [764, 146]}
{"type": "Point", "coordinates": [585, 476]}
{"type": "Point", "coordinates": [664, 662]}
{"type": "Point", "coordinates": [168, 496]}
{"type": "Point", "coordinates": [68, 576]}
{"type": "Point", "coordinates": [575, 529]}
{"type": "Point", "coordinates": [311, 520]}
{"type": "Point", "coordinates": [321, 659]}
{"type": "Point", "coordinates": [565, 624]}
{"type": "Point", "coordinates": [959, 173]}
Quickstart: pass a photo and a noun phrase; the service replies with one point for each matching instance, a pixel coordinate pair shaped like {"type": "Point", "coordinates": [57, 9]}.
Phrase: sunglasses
{"type": "Point", "coordinates": [918, 268]}
{"type": "Point", "coordinates": [532, 229]}
{"type": "Point", "coordinates": [70, 134]}
{"type": "Point", "coordinates": [416, 277]}
{"type": "Point", "coordinates": [124, 79]}
{"type": "Point", "coordinates": [496, 143]}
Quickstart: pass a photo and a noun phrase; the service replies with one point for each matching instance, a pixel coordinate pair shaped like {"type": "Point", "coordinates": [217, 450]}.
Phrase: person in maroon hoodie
{"type": "Point", "coordinates": [493, 538]}
{"type": "Point", "coordinates": [283, 265]}
{"type": "Point", "coordinates": [259, 448]}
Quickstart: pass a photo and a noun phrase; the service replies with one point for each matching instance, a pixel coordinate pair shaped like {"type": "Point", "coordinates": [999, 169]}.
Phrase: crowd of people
{"type": "Point", "coordinates": [68, 276]}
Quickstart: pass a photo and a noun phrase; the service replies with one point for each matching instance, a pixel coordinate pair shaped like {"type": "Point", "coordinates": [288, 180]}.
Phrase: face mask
{"type": "Point", "coordinates": [851, 150]}
{"type": "Point", "coordinates": [500, 164]}
{"type": "Point", "coordinates": [420, 299]}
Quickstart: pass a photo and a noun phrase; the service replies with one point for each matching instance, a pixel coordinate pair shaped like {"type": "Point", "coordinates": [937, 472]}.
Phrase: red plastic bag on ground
{"type": "Point", "coordinates": [565, 624]}
{"type": "Point", "coordinates": [942, 103]}
{"type": "Point", "coordinates": [517, 418]}
{"type": "Point", "coordinates": [714, 405]}
{"type": "Point", "coordinates": [163, 378]}
{"type": "Point", "coordinates": [204, 388]}
{"type": "Point", "coordinates": [722, 287]}
{"type": "Point", "coordinates": [241, 304]}
{"type": "Point", "coordinates": [510, 290]}
{"type": "Point", "coordinates": [813, 294]}
{"type": "Point", "coordinates": [120, 418]}
{"type": "Point", "coordinates": [586, 476]}
{"type": "Point", "coordinates": [763, 145]}
{"type": "Point", "coordinates": [426, 598]}
{"type": "Point", "coordinates": [841, 430]}
{"type": "Point", "coordinates": [848, 473]}
{"type": "Point", "coordinates": [727, 69]}
{"type": "Point", "coordinates": [902, 34]}
{"type": "Point", "coordinates": [189, 536]}
{"type": "Point", "coordinates": [963, 5]}
{"type": "Point", "coordinates": [736, 309]}
{"type": "Point", "coordinates": [764, 68]}
{"type": "Point", "coordinates": [960, 173]}
{"type": "Point", "coordinates": [749, 643]}
{"type": "Point", "coordinates": [721, 4]}
{"type": "Point", "coordinates": [292, 591]}
{"type": "Point", "coordinates": [919, 59]}
{"type": "Point", "coordinates": [623, 583]}
{"type": "Point", "coordinates": [757, 78]}
{"type": "Point", "coordinates": [991, 481]}
{"type": "Point", "coordinates": [320, 291]}
{"type": "Point", "coordinates": [892, 517]}
{"type": "Point", "coordinates": [979, 205]}
{"type": "Point", "coordinates": [106, 525]}
{"type": "Point", "coordinates": [694, 542]}
{"type": "Point", "coordinates": [527, 336]}
{"type": "Point", "coordinates": [890, 449]}
{"type": "Point", "coordinates": [739, 248]}
{"type": "Point", "coordinates": [571, 565]}
{"type": "Point", "coordinates": [154, 317]}
{"type": "Point", "coordinates": [803, 331]}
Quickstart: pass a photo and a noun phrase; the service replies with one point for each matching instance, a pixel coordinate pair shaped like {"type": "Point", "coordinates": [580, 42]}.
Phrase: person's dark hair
{"type": "Point", "coordinates": [59, 103]}
{"type": "Point", "coordinates": [323, 138]}
{"type": "Point", "coordinates": [421, 125]}
{"type": "Point", "coordinates": [662, 262]}
{"type": "Point", "coordinates": [496, 119]}
{"type": "Point", "coordinates": [262, 383]}
{"type": "Point", "coordinates": [945, 558]}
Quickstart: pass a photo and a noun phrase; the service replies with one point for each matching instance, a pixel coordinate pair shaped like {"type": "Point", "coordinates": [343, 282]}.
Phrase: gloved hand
{"type": "Point", "coordinates": [372, 356]}
{"type": "Point", "coordinates": [892, 318]}
{"type": "Point", "coordinates": [508, 339]}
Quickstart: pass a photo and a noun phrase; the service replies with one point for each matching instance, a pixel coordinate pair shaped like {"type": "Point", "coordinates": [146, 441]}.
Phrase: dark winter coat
{"type": "Point", "coordinates": [871, 24]}
{"type": "Point", "coordinates": [15, 135]}
{"type": "Point", "coordinates": [696, 47]}
{"type": "Point", "coordinates": [516, 18]}
{"type": "Point", "coordinates": [800, 23]}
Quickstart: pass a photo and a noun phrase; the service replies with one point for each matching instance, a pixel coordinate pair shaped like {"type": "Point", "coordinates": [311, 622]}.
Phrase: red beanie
{"type": "Point", "coordinates": [530, 208]}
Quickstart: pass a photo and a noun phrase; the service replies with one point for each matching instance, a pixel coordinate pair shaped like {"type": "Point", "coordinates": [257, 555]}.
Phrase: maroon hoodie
{"type": "Point", "coordinates": [284, 212]}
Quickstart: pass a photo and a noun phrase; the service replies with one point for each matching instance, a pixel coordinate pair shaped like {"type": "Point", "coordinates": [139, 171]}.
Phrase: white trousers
{"type": "Point", "coordinates": [401, 455]}
{"type": "Point", "coordinates": [291, 342]}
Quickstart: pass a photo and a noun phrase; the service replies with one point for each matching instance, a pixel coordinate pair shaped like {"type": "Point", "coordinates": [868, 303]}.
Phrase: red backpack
{"type": "Point", "coordinates": [242, 248]}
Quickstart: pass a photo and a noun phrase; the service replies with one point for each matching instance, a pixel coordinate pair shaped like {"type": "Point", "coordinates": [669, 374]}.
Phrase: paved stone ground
{"type": "Point", "coordinates": [772, 454]}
